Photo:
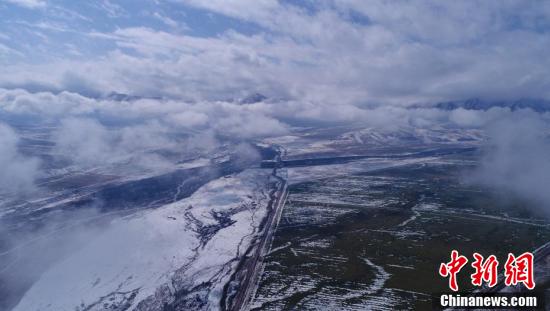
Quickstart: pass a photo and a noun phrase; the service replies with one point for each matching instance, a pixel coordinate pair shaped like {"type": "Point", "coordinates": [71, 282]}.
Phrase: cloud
{"type": "Point", "coordinates": [30, 4]}
{"type": "Point", "coordinates": [44, 104]}
{"type": "Point", "coordinates": [32, 249]}
{"type": "Point", "coordinates": [245, 155]}
{"type": "Point", "coordinates": [138, 129]}
{"type": "Point", "coordinates": [331, 52]}
{"type": "Point", "coordinates": [466, 118]}
{"type": "Point", "coordinates": [517, 159]}
{"type": "Point", "coordinates": [18, 171]}
{"type": "Point", "coordinates": [166, 20]}
{"type": "Point", "coordinates": [87, 143]}
{"type": "Point", "coordinates": [7, 50]}
{"type": "Point", "coordinates": [113, 10]}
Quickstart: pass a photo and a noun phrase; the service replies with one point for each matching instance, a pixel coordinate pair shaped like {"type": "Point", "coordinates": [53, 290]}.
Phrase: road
{"type": "Point", "coordinates": [251, 266]}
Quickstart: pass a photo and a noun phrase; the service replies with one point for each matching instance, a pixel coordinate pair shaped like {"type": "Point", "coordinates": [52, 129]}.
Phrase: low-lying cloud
{"type": "Point", "coordinates": [87, 143]}
{"type": "Point", "coordinates": [517, 159]}
{"type": "Point", "coordinates": [18, 171]}
{"type": "Point", "coordinates": [91, 131]}
{"type": "Point", "coordinates": [28, 250]}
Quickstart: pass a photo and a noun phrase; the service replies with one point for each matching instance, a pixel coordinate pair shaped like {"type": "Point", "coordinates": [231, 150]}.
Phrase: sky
{"type": "Point", "coordinates": [329, 51]}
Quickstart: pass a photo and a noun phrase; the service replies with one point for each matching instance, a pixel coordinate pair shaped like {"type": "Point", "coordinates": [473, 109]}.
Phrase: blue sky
{"type": "Point", "coordinates": [330, 51]}
{"type": "Point", "coordinates": [43, 31]}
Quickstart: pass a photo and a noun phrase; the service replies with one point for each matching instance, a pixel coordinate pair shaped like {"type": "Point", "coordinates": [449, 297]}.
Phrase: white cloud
{"type": "Point", "coordinates": [113, 10]}
{"type": "Point", "coordinates": [87, 143]}
{"type": "Point", "coordinates": [166, 20]}
{"type": "Point", "coordinates": [518, 158]}
{"type": "Point", "coordinates": [44, 104]}
{"type": "Point", "coordinates": [339, 52]}
{"type": "Point", "coordinates": [466, 118]}
{"type": "Point", "coordinates": [4, 49]}
{"type": "Point", "coordinates": [18, 171]}
{"type": "Point", "coordinates": [31, 4]}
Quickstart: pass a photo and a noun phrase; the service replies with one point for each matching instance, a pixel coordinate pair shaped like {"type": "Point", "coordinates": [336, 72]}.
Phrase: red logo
{"type": "Point", "coordinates": [520, 270]}
{"type": "Point", "coordinates": [452, 268]}
{"type": "Point", "coordinates": [484, 270]}
{"type": "Point", "coordinates": [516, 270]}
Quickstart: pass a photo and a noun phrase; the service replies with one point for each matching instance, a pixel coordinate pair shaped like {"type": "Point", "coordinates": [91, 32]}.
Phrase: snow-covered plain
{"type": "Point", "coordinates": [310, 143]}
{"type": "Point", "coordinates": [307, 173]}
{"type": "Point", "coordinates": [144, 260]}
